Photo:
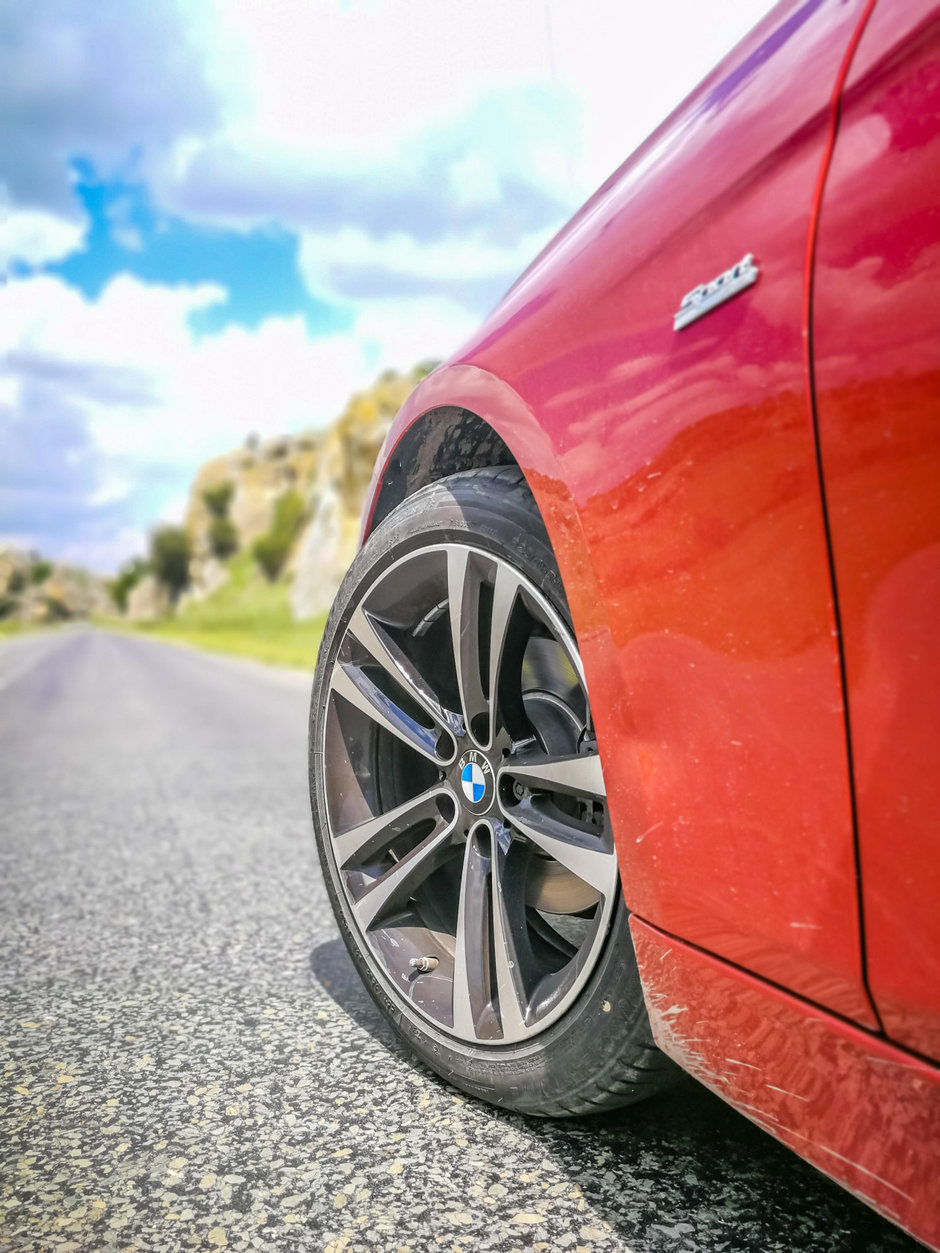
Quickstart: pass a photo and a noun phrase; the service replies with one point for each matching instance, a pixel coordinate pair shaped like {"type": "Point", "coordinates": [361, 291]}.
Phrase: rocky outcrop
{"type": "Point", "coordinates": [15, 572]}
{"type": "Point", "coordinates": [326, 549]}
{"type": "Point", "coordinates": [337, 494]}
{"type": "Point", "coordinates": [37, 591]}
{"type": "Point", "coordinates": [213, 574]}
{"type": "Point", "coordinates": [259, 474]}
{"type": "Point", "coordinates": [148, 601]}
{"type": "Point", "coordinates": [330, 470]}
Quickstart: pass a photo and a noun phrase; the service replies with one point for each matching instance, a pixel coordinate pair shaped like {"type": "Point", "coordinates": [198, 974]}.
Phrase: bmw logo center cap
{"type": "Point", "coordinates": [476, 780]}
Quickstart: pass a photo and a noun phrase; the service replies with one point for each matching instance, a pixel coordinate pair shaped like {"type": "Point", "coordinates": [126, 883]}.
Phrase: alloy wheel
{"type": "Point", "coordinates": [465, 802]}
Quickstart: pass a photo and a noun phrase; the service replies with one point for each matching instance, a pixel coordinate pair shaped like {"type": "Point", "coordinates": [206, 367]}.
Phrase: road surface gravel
{"type": "Point", "coordinates": [189, 1060]}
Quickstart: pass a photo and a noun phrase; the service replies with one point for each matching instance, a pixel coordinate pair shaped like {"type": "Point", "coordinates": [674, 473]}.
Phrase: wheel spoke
{"type": "Point", "coordinates": [509, 989]}
{"type": "Point", "coordinates": [383, 649]}
{"type": "Point", "coordinates": [472, 948]}
{"type": "Point", "coordinates": [559, 631]}
{"type": "Point", "coordinates": [395, 886]}
{"type": "Point", "coordinates": [578, 851]}
{"type": "Point", "coordinates": [504, 599]}
{"type": "Point", "coordinates": [367, 839]}
{"type": "Point", "coordinates": [354, 685]}
{"type": "Point", "coordinates": [463, 598]}
{"type": "Point", "coordinates": [578, 775]}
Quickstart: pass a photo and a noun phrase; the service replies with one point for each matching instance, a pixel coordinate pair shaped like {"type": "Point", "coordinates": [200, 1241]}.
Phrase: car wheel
{"type": "Point", "coordinates": [460, 809]}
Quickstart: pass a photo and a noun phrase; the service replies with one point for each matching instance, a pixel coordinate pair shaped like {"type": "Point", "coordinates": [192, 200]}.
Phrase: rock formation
{"type": "Point", "coordinates": [337, 494]}
{"type": "Point", "coordinates": [330, 469]}
{"type": "Point", "coordinates": [37, 591]}
{"type": "Point", "coordinates": [148, 601]}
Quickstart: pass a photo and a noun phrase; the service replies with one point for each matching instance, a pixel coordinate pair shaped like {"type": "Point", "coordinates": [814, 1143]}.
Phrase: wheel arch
{"type": "Point", "coordinates": [444, 440]}
{"type": "Point", "coordinates": [462, 417]}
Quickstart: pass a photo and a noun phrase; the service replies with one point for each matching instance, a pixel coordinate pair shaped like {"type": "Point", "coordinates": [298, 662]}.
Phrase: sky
{"type": "Point", "coordinates": [221, 219]}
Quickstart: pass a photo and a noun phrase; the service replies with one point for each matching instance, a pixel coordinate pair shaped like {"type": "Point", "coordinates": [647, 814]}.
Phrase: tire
{"type": "Point", "coordinates": [468, 857]}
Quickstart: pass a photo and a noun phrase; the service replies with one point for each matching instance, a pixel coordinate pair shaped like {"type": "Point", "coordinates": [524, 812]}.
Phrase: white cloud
{"type": "Point", "coordinates": [359, 87]}
{"type": "Point", "coordinates": [103, 554]}
{"type": "Point", "coordinates": [35, 237]}
{"type": "Point", "coordinates": [399, 333]}
{"type": "Point", "coordinates": [113, 404]}
{"type": "Point", "coordinates": [174, 511]}
{"type": "Point", "coordinates": [362, 78]}
{"type": "Point", "coordinates": [630, 65]}
{"type": "Point", "coordinates": [132, 326]}
{"type": "Point", "coordinates": [462, 259]}
{"type": "Point", "coordinates": [111, 491]}
{"type": "Point", "coordinates": [150, 389]}
{"type": "Point", "coordinates": [473, 182]}
{"type": "Point", "coordinates": [487, 175]}
{"type": "Point", "coordinates": [350, 264]}
{"type": "Point", "coordinates": [104, 81]}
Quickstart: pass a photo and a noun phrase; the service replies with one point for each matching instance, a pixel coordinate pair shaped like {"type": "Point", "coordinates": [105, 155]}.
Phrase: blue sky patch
{"type": "Point", "coordinates": [258, 268]}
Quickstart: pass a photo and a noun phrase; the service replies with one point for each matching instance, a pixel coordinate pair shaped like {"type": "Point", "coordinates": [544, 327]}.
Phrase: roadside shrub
{"type": "Point", "coordinates": [223, 537]}
{"type": "Point", "coordinates": [170, 553]}
{"type": "Point", "coordinates": [270, 552]}
{"type": "Point", "coordinates": [16, 583]}
{"type": "Point", "coordinates": [126, 579]}
{"type": "Point", "coordinates": [40, 570]}
{"type": "Point", "coordinates": [273, 548]}
{"type": "Point", "coordinates": [290, 511]}
{"type": "Point", "coordinates": [218, 498]}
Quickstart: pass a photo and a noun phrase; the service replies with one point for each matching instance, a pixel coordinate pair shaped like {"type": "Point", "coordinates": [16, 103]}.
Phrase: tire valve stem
{"type": "Point", "coordinates": [423, 964]}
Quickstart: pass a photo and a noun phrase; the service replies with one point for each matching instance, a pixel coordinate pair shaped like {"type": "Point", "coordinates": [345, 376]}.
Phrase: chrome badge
{"type": "Point", "coordinates": [707, 296]}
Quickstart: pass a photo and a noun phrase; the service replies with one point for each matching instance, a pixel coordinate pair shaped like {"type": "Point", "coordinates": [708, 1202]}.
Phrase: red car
{"type": "Point", "coordinates": [625, 725]}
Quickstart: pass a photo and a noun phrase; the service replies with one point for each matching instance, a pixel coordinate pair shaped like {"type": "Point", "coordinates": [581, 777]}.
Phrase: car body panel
{"type": "Point", "coordinates": [877, 370]}
{"type": "Point", "coordinates": [677, 476]}
{"type": "Point", "coordinates": [860, 1109]}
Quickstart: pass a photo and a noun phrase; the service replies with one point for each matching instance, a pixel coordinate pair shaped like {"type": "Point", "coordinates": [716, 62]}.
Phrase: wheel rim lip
{"type": "Point", "coordinates": [469, 743]}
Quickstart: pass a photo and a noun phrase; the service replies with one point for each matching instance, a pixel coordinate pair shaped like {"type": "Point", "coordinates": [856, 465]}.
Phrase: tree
{"type": "Point", "coordinates": [170, 553]}
{"type": "Point", "coordinates": [223, 537]}
{"type": "Point", "coordinates": [40, 570]}
{"type": "Point", "coordinates": [218, 497]}
{"type": "Point", "coordinates": [126, 579]}
{"type": "Point", "coordinates": [272, 549]}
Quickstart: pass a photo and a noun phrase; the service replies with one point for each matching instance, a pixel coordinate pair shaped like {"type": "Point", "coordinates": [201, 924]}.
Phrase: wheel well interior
{"type": "Point", "coordinates": [443, 441]}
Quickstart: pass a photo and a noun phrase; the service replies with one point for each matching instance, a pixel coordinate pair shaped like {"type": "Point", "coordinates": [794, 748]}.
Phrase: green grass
{"type": "Point", "coordinates": [249, 617]}
{"type": "Point", "coordinates": [9, 627]}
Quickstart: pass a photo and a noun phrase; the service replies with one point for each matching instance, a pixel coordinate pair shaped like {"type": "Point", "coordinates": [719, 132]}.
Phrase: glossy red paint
{"type": "Point", "coordinates": [679, 477]}
{"type": "Point", "coordinates": [863, 1111]}
{"type": "Point", "coordinates": [877, 351]}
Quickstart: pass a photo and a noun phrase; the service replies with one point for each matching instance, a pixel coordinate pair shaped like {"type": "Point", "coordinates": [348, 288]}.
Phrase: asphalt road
{"type": "Point", "coordinates": [189, 1060]}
